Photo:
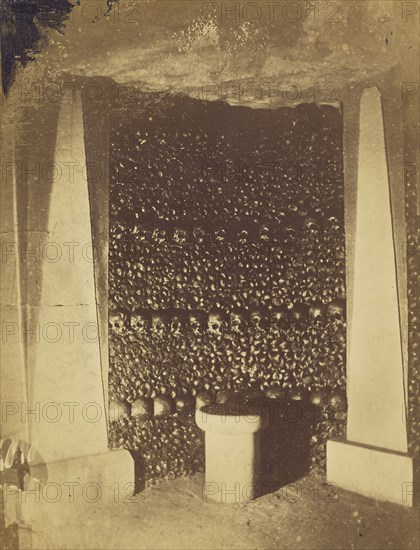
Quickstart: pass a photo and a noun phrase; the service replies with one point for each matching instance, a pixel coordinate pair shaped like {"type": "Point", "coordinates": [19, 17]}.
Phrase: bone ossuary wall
{"type": "Point", "coordinates": [226, 276]}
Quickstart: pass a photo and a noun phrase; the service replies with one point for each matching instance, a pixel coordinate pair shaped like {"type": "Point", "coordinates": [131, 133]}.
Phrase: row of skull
{"type": "Point", "coordinates": [216, 322]}
{"type": "Point", "coordinates": [257, 212]}
{"type": "Point", "coordinates": [198, 234]}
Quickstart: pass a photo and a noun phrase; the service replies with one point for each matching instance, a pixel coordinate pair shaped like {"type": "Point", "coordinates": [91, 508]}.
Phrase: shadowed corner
{"type": "Point", "coordinates": [285, 443]}
{"type": "Point", "coordinates": [139, 471]}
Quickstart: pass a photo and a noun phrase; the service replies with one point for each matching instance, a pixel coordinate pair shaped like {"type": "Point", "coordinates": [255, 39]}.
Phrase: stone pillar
{"type": "Point", "coordinates": [13, 387]}
{"type": "Point", "coordinates": [65, 407]}
{"type": "Point", "coordinates": [374, 460]}
{"type": "Point", "coordinates": [96, 121]}
{"type": "Point", "coordinates": [67, 357]}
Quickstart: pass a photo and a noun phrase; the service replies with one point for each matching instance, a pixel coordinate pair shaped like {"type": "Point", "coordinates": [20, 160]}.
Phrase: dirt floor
{"type": "Point", "coordinates": [305, 515]}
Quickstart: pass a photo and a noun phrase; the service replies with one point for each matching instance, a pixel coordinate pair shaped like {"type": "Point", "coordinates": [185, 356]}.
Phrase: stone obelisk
{"type": "Point", "coordinates": [13, 383]}
{"type": "Point", "coordinates": [373, 460]}
{"type": "Point", "coordinates": [67, 403]}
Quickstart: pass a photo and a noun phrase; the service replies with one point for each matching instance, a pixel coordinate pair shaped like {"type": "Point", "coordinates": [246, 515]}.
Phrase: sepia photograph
{"type": "Point", "coordinates": [210, 275]}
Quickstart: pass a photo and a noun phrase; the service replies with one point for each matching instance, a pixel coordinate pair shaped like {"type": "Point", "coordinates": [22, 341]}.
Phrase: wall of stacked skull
{"type": "Point", "coordinates": [413, 270]}
{"type": "Point", "coordinates": [227, 270]}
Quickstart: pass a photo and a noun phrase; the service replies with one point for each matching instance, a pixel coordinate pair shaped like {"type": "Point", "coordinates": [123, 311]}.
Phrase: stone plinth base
{"type": "Point", "coordinates": [371, 471]}
{"type": "Point", "coordinates": [93, 480]}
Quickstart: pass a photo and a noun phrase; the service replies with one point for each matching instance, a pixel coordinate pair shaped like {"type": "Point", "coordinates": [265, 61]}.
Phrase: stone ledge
{"type": "Point", "coordinates": [92, 480]}
{"type": "Point", "coordinates": [371, 471]}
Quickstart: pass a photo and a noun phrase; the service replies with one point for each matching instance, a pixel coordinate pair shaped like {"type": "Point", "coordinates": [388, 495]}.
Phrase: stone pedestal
{"type": "Point", "coordinates": [373, 460]}
{"type": "Point", "coordinates": [232, 452]}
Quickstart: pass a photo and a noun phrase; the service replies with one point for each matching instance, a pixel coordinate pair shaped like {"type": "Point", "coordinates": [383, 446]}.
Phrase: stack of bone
{"type": "Point", "coordinates": [227, 273]}
{"type": "Point", "coordinates": [413, 271]}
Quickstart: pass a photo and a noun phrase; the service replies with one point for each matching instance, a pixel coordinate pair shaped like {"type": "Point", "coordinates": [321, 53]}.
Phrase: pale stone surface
{"type": "Point", "coordinates": [12, 374]}
{"type": "Point", "coordinates": [51, 378]}
{"type": "Point", "coordinates": [375, 366]}
{"type": "Point", "coordinates": [395, 145]}
{"type": "Point", "coordinates": [73, 487]}
{"type": "Point", "coordinates": [67, 424]}
{"type": "Point", "coordinates": [12, 353]}
{"type": "Point", "coordinates": [373, 461]}
{"type": "Point", "coordinates": [103, 477]}
{"type": "Point", "coordinates": [372, 472]}
{"type": "Point", "coordinates": [232, 456]}
{"type": "Point", "coordinates": [66, 387]}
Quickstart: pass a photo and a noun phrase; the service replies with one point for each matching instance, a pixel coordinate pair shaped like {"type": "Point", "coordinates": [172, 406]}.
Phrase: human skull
{"type": "Point", "coordinates": [198, 320]}
{"type": "Point", "coordinates": [258, 319]}
{"type": "Point", "coordinates": [118, 321]}
{"type": "Point", "coordinates": [278, 317]}
{"type": "Point", "coordinates": [117, 231]}
{"type": "Point", "coordinates": [199, 234]}
{"type": "Point", "coordinates": [141, 233]}
{"type": "Point", "coordinates": [159, 235]}
{"type": "Point", "coordinates": [177, 325]}
{"type": "Point", "coordinates": [140, 321]}
{"type": "Point", "coordinates": [243, 236]}
{"type": "Point", "coordinates": [291, 233]}
{"type": "Point", "coordinates": [298, 312]}
{"type": "Point", "coordinates": [264, 233]}
{"type": "Point", "coordinates": [159, 323]}
{"type": "Point", "coordinates": [336, 310]}
{"type": "Point", "coordinates": [220, 235]}
{"type": "Point", "coordinates": [238, 322]}
{"type": "Point", "coordinates": [333, 220]}
{"type": "Point", "coordinates": [216, 323]}
{"type": "Point", "coordinates": [316, 311]}
{"type": "Point", "coordinates": [180, 236]}
{"type": "Point", "coordinates": [311, 225]}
